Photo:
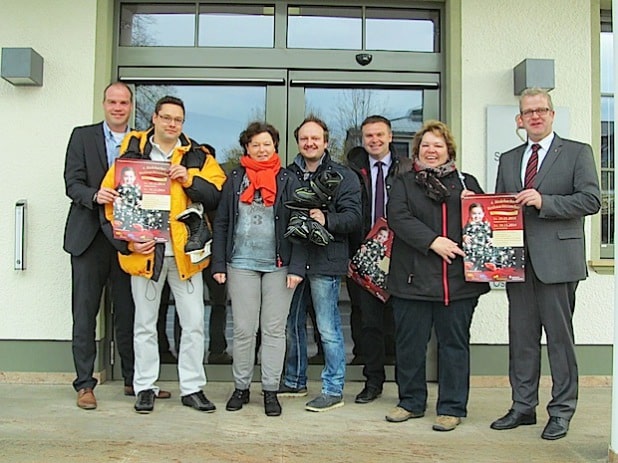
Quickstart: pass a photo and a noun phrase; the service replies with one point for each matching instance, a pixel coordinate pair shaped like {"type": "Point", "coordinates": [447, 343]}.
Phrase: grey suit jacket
{"type": "Point", "coordinates": [85, 167]}
{"type": "Point", "coordinates": [569, 186]}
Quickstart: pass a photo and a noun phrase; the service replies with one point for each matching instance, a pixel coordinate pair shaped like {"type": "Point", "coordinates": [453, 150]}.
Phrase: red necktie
{"type": "Point", "coordinates": [379, 196]}
{"type": "Point", "coordinates": [531, 167]}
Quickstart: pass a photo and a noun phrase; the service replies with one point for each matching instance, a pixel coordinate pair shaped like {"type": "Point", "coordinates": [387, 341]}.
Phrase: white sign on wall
{"type": "Point", "coordinates": [502, 135]}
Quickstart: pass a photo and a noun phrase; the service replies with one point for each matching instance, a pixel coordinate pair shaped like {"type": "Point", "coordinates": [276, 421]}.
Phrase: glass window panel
{"type": "Point", "coordinates": [215, 114]}
{"type": "Point", "coordinates": [325, 28]}
{"type": "Point", "coordinates": [344, 109]}
{"type": "Point", "coordinates": [401, 30]}
{"type": "Point", "coordinates": [402, 147]}
{"type": "Point", "coordinates": [607, 178]}
{"type": "Point", "coordinates": [607, 62]}
{"type": "Point", "coordinates": [607, 137]}
{"type": "Point", "coordinates": [237, 26]}
{"type": "Point", "coordinates": [607, 108]}
{"type": "Point", "coordinates": [607, 207]}
{"type": "Point", "coordinates": [157, 25]}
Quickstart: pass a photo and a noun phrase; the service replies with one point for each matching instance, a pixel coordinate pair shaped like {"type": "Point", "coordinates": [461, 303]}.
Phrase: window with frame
{"type": "Point", "coordinates": [363, 28]}
{"type": "Point", "coordinates": [607, 136]}
{"type": "Point", "coordinates": [193, 24]}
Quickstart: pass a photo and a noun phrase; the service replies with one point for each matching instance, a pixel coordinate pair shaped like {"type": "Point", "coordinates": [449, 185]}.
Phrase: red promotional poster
{"type": "Point", "coordinates": [142, 209]}
{"type": "Point", "coordinates": [369, 266]}
{"type": "Point", "coordinates": [493, 238]}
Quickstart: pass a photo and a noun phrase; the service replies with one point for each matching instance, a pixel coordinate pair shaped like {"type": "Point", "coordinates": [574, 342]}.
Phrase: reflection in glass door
{"type": "Point", "coordinates": [215, 114]}
{"type": "Point", "coordinates": [344, 100]}
{"type": "Point", "coordinates": [344, 109]}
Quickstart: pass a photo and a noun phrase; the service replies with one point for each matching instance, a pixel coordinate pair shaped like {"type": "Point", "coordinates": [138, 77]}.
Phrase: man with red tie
{"type": "Point", "coordinates": [556, 183]}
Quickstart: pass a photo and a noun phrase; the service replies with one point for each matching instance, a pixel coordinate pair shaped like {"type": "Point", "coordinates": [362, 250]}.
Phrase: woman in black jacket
{"type": "Point", "coordinates": [426, 278]}
{"type": "Point", "coordinates": [260, 266]}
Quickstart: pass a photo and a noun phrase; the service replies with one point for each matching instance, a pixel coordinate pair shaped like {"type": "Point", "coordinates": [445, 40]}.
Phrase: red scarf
{"type": "Point", "coordinates": [262, 176]}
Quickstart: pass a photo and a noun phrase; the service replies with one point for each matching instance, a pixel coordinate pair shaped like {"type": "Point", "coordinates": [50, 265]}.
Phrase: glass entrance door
{"type": "Point", "coordinates": [220, 103]}
{"type": "Point", "coordinates": [343, 100]}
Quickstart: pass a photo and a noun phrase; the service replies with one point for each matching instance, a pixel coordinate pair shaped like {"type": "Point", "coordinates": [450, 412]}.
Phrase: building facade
{"type": "Point", "coordinates": [451, 60]}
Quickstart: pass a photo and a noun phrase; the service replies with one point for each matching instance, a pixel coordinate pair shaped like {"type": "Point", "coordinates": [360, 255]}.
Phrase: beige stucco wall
{"type": "Point", "coordinates": [36, 123]}
{"type": "Point", "coordinates": [494, 41]}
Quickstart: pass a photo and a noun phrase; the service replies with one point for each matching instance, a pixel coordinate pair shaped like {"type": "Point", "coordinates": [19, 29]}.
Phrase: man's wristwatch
{"type": "Point", "coordinates": [94, 198]}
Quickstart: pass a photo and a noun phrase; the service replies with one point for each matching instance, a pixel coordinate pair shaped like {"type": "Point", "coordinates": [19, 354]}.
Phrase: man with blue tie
{"type": "Point", "coordinates": [376, 164]}
{"type": "Point", "coordinates": [94, 263]}
{"type": "Point", "coordinates": [556, 183]}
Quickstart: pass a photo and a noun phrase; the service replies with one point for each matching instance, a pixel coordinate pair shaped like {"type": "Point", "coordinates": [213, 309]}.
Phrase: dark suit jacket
{"type": "Point", "coordinates": [569, 186]}
{"type": "Point", "coordinates": [84, 169]}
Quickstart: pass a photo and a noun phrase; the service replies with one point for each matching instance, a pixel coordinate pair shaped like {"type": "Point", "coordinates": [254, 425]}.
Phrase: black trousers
{"type": "Point", "coordinates": [354, 291]}
{"type": "Point", "coordinates": [413, 321]}
{"type": "Point", "coordinates": [218, 313]}
{"type": "Point", "coordinates": [377, 332]}
{"type": "Point", "coordinates": [91, 272]}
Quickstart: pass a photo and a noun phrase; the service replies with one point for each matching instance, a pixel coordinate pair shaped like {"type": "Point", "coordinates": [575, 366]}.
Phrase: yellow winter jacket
{"type": "Point", "coordinates": [204, 185]}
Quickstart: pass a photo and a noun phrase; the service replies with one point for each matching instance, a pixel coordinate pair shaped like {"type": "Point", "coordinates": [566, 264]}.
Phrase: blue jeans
{"type": "Point", "coordinates": [324, 291]}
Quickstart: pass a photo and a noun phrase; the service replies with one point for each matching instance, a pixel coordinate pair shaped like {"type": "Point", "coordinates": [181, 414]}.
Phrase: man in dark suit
{"type": "Point", "coordinates": [377, 324]}
{"type": "Point", "coordinates": [94, 262]}
{"type": "Point", "coordinates": [556, 182]}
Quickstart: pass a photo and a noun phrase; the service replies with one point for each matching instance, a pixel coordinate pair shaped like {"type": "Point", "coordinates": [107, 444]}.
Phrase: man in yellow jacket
{"type": "Point", "coordinates": [195, 177]}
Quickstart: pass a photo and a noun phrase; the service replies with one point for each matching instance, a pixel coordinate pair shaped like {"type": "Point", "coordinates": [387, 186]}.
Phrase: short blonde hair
{"type": "Point", "coordinates": [438, 128]}
{"type": "Point", "coordinates": [536, 91]}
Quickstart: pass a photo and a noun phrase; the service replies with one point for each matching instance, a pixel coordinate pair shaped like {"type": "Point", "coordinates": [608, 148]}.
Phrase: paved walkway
{"type": "Point", "coordinates": [40, 423]}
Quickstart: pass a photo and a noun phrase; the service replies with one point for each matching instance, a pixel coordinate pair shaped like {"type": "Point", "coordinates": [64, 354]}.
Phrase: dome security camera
{"type": "Point", "coordinates": [364, 59]}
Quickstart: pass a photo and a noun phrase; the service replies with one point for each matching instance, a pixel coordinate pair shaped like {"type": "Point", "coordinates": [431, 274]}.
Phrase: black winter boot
{"type": "Point", "coordinates": [200, 237]}
{"type": "Point", "coordinates": [272, 407]}
{"type": "Point", "coordinates": [239, 398]}
{"type": "Point", "coordinates": [319, 194]}
{"type": "Point", "coordinates": [303, 228]}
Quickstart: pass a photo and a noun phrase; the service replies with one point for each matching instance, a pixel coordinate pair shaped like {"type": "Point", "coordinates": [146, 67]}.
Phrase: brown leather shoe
{"type": "Point", "coordinates": [128, 390]}
{"type": "Point", "coordinates": [164, 394]}
{"type": "Point", "coordinates": [86, 399]}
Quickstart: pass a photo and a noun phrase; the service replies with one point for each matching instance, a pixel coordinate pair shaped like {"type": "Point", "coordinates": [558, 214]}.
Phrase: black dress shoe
{"type": "Point", "coordinates": [556, 428]}
{"type": "Point", "coordinates": [513, 419]}
{"type": "Point", "coordinates": [145, 401]}
{"type": "Point", "coordinates": [368, 394]}
{"type": "Point", "coordinates": [198, 401]}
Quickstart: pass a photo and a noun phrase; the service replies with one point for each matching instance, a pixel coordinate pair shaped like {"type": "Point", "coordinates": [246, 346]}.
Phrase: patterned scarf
{"type": "Point", "coordinates": [262, 176]}
{"type": "Point", "coordinates": [429, 179]}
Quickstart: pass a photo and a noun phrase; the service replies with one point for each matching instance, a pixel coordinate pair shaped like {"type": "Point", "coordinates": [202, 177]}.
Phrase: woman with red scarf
{"type": "Point", "coordinates": [260, 266]}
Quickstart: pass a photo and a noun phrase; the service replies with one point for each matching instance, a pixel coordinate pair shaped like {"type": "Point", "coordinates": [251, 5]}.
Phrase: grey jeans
{"type": "Point", "coordinates": [259, 299]}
